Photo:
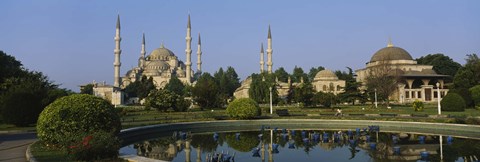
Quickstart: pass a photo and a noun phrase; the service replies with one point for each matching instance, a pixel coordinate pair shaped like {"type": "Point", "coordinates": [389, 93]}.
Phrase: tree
{"type": "Point", "coordinates": [352, 92]}
{"type": "Point", "coordinates": [303, 94]}
{"type": "Point", "coordinates": [87, 89]}
{"type": "Point", "coordinates": [260, 88]}
{"type": "Point", "coordinates": [164, 99]}
{"type": "Point", "coordinates": [25, 96]}
{"type": "Point", "coordinates": [475, 92]}
{"type": "Point", "coordinates": [313, 72]}
{"type": "Point", "coordinates": [175, 85]}
{"type": "Point", "coordinates": [281, 74]}
{"type": "Point", "coordinates": [298, 75]}
{"type": "Point", "coordinates": [206, 92]}
{"type": "Point", "coordinates": [140, 88]}
{"type": "Point", "coordinates": [383, 79]}
{"type": "Point", "coordinates": [467, 77]}
{"type": "Point", "coordinates": [233, 81]}
{"type": "Point", "coordinates": [325, 99]}
{"type": "Point", "coordinates": [9, 66]}
{"type": "Point", "coordinates": [441, 64]}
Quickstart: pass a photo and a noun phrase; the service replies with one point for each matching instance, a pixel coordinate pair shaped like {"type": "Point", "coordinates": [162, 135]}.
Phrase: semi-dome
{"type": "Point", "coordinates": [158, 65]}
{"type": "Point", "coordinates": [391, 53]}
{"type": "Point", "coordinates": [326, 75]}
{"type": "Point", "coordinates": [161, 53]}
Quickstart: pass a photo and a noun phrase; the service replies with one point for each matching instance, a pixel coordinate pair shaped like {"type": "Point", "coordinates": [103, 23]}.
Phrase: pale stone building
{"type": "Point", "coordinates": [326, 81]}
{"type": "Point", "coordinates": [416, 82]}
{"type": "Point", "coordinates": [161, 64]}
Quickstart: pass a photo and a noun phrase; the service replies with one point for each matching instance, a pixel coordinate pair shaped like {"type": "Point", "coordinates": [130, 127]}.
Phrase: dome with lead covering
{"type": "Point", "coordinates": [391, 53]}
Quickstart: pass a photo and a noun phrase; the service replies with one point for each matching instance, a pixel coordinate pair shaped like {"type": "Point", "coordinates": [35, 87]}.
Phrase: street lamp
{"type": "Point", "coordinates": [376, 103]}
{"type": "Point", "coordinates": [271, 106]}
{"type": "Point", "coordinates": [438, 99]}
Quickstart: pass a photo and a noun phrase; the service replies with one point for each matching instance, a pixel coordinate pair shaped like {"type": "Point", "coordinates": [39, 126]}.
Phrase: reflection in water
{"type": "Point", "coordinates": [309, 145]}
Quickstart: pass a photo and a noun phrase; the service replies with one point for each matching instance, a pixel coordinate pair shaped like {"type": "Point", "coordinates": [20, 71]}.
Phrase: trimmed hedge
{"type": "Point", "coordinates": [243, 108]}
{"type": "Point", "coordinates": [453, 102]}
{"type": "Point", "coordinates": [65, 118]}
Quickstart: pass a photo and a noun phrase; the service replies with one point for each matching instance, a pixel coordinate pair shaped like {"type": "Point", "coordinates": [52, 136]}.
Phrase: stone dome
{"type": "Point", "coordinates": [391, 53]}
{"type": "Point", "coordinates": [161, 53]}
{"type": "Point", "coordinates": [157, 65]}
{"type": "Point", "coordinates": [326, 75]}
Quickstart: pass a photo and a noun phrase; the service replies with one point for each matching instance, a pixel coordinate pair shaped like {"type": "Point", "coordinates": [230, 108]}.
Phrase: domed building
{"type": "Point", "coordinates": [415, 82]}
{"type": "Point", "coordinates": [161, 64]}
{"type": "Point", "coordinates": [326, 81]}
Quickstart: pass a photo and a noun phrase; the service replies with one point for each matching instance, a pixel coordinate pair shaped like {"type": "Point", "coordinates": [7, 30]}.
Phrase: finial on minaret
{"type": "Point", "coordinates": [118, 21]}
{"type": "Point", "coordinates": [188, 24]}
{"type": "Point", "coordinates": [390, 44]}
{"type": "Point", "coordinates": [162, 45]}
{"type": "Point", "coordinates": [143, 38]}
{"type": "Point", "coordinates": [261, 48]}
{"type": "Point", "coordinates": [199, 54]}
{"type": "Point", "coordinates": [269, 33]}
{"type": "Point", "coordinates": [199, 41]}
{"type": "Point", "coordinates": [141, 60]}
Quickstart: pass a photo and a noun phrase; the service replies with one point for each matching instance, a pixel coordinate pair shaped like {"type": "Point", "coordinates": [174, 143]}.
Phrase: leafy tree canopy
{"type": "Point", "coordinates": [441, 64]}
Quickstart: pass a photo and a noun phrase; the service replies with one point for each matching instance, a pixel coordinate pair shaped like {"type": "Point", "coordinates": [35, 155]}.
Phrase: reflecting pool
{"type": "Point", "coordinates": [282, 145]}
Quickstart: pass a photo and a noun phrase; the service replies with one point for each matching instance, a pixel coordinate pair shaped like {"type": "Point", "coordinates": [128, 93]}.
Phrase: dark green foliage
{"type": "Point", "coordinates": [453, 102]}
{"type": "Point", "coordinates": [140, 88]}
{"type": "Point", "coordinates": [303, 94]}
{"type": "Point", "coordinates": [87, 89]}
{"type": "Point", "coordinates": [227, 81]}
{"type": "Point", "coordinates": [243, 108]}
{"type": "Point", "coordinates": [441, 64]}
{"type": "Point", "coordinates": [475, 93]}
{"type": "Point", "coordinates": [325, 99]}
{"type": "Point", "coordinates": [97, 145]}
{"type": "Point", "coordinates": [175, 85]}
{"type": "Point", "coordinates": [281, 74]}
{"type": "Point", "coordinates": [467, 77]}
{"type": "Point", "coordinates": [352, 92]}
{"type": "Point", "coordinates": [23, 97]}
{"type": "Point", "coordinates": [162, 100]}
{"type": "Point", "coordinates": [9, 66]}
{"type": "Point", "coordinates": [298, 75]}
{"type": "Point", "coordinates": [260, 88]}
{"type": "Point", "coordinates": [205, 142]}
{"type": "Point", "coordinates": [247, 141]}
{"type": "Point", "coordinates": [68, 116]}
{"type": "Point", "coordinates": [206, 92]}
{"type": "Point", "coordinates": [313, 72]}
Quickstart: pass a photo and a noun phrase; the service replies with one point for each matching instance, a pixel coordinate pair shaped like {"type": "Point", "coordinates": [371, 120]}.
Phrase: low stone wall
{"type": "Point", "coordinates": [132, 135]}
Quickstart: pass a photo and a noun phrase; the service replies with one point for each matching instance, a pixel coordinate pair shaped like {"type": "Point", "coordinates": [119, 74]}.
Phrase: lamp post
{"type": "Point", "coordinates": [271, 106]}
{"type": "Point", "coordinates": [376, 103]}
{"type": "Point", "coordinates": [438, 99]}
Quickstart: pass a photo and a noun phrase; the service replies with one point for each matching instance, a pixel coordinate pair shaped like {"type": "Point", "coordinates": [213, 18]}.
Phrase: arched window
{"type": "Point", "coordinates": [324, 88]}
{"type": "Point", "coordinates": [338, 87]}
{"type": "Point", "coordinates": [332, 87]}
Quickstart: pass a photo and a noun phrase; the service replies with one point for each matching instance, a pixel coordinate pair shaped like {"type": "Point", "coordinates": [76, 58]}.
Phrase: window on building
{"type": "Point", "coordinates": [338, 87]}
{"type": "Point", "coordinates": [324, 88]}
{"type": "Point", "coordinates": [407, 94]}
{"type": "Point", "coordinates": [332, 87]}
{"type": "Point", "coordinates": [419, 94]}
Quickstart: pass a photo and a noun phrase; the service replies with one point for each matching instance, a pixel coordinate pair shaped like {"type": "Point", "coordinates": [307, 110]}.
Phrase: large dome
{"type": "Point", "coordinates": [326, 75]}
{"type": "Point", "coordinates": [161, 53]}
{"type": "Point", "coordinates": [391, 53]}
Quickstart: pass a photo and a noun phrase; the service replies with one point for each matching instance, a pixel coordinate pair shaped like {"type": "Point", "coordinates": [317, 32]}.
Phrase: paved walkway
{"type": "Point", "coordinates": [14, 145]}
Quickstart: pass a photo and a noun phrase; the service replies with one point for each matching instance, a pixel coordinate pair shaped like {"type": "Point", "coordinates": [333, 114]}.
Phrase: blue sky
{"type": "Point", "coordinates": [72, 41]}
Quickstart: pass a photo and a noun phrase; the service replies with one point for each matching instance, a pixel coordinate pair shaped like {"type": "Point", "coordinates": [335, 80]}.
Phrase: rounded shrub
{"type": "Point", "coordinates": [243, 108]}
{"type": "Point", "coordinates": [417, 105]}
{"type": "Point", "coordinates": [66, 117]}
{"type": "Point", "coordinates": [453, 102]}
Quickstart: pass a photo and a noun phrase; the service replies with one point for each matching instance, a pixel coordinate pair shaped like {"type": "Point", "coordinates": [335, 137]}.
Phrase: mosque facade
{"type": "Point", "coordinates": [415, 81]}
{"type": "Point", "coordinates": [161, 64]}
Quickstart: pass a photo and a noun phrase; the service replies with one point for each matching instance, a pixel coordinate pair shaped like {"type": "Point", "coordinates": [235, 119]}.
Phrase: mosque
{"type": "Point", "coordinates": [161, 64]}
{"type": "Point", "coordinates": [415, 81]}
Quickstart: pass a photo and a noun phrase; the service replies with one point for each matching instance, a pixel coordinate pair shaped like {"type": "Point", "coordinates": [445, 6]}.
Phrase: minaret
{"type": "Point", "coordinates": [262, 63]}
{"type": "Point", "coordinates": [269, 51]}
{"type": "Point", "coordinates": [188, 51]}
{"type": "Point", "coordinates": [199, 54]}
{"type": "Point", "coordinates": [117, 51]}
{"type": "Point", "coordinates": [141, 60]}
